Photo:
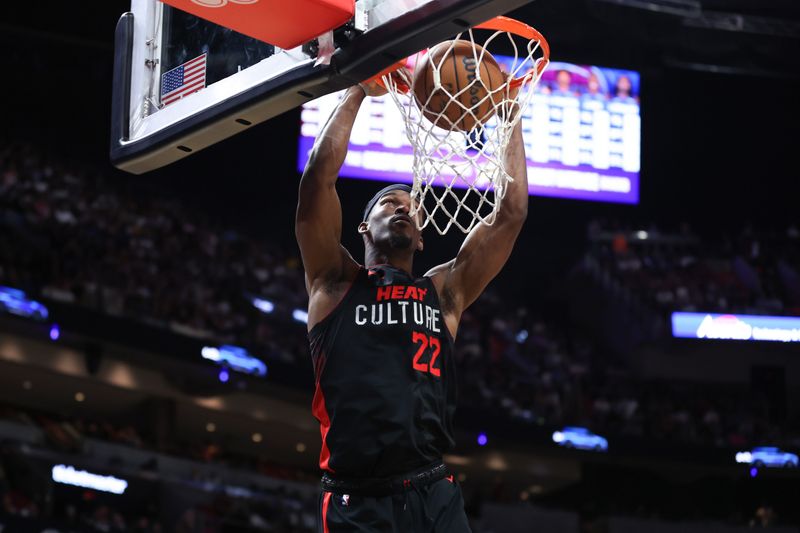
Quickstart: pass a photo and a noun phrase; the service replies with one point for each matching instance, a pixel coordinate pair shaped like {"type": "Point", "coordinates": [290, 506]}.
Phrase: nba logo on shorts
{"type": "Point", "coordinates": [345, 500]}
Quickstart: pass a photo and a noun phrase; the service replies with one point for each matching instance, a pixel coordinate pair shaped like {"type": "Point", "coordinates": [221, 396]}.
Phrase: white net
{"type": "Point", "coordinates": [460, 134]}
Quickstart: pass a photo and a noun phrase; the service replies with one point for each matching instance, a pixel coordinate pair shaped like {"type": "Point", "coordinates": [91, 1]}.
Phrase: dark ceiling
{"type": "Point", "coordinates": [737, 36]}
{"type": "Point", "coordinates": [754, 36]}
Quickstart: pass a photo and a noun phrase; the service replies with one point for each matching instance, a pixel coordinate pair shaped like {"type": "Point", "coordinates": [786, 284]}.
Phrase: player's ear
{"type": "Point", "coordinates": [420, 244]}
{"type": "Point", "coordinates": [363, 228]}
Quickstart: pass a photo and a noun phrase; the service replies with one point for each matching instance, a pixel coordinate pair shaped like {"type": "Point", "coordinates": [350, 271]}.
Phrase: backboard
{"type": "Point", "coordinates": [182, 83]}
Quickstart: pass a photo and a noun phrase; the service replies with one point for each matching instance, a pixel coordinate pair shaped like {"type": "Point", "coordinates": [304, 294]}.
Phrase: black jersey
{"type": "Point", "coordinates": [385, 377]}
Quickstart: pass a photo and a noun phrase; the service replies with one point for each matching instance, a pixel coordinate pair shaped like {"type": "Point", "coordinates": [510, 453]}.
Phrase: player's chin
{"type": "Point", "coordinates": [400, 241]}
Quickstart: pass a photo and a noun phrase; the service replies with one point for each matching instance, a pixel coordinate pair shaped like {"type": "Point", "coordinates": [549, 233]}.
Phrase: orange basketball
{"type": "Point", "coordinates": [449, 105]}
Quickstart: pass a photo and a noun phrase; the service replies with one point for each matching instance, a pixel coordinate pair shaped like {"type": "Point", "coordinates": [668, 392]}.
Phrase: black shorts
{"type": "Point", "coordinates": [434, 508]}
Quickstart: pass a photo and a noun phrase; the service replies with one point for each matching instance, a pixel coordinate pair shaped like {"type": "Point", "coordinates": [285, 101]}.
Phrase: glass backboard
{"type": "Point", "coordinates": [182, 83]}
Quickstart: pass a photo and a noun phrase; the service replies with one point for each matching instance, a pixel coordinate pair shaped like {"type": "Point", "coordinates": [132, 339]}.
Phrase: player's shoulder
{"type": "Point", "coordinates": [326, 292]}
{"type": "Point", "coordinates": [342, 275]}
{"type": "Point", "coordinates": [442, 282]}
{"type": "Point", "coordinates": [439, 273]}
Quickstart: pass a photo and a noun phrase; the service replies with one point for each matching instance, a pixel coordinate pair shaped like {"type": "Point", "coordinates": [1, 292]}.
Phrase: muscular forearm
{"type": "Point", "coordinates": [330, 148]}
{"type": "Point", "coordinates": [515, 203]}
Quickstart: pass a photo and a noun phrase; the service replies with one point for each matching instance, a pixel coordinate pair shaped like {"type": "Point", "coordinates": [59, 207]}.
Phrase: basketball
{"type": "Point", "coordinates": [461, 101]}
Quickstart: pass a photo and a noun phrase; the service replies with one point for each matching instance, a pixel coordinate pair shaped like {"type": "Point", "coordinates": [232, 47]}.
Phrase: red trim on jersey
{"type": "Point", "coordinates": [321, 414]}
{"type": "Point", "coordinates": [318, 404]}
{"type": "Point", "coordinates": [326, 500]}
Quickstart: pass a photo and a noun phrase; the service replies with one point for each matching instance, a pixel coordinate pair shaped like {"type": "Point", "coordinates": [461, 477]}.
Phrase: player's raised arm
{"type": "Point", "coordinates": [318, 222]}
{"type": "Point", "coordinates": [487, 248]}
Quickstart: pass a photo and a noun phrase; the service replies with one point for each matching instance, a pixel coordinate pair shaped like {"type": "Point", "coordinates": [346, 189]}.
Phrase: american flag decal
{"type": "Point", "coordinates": [183, 80]}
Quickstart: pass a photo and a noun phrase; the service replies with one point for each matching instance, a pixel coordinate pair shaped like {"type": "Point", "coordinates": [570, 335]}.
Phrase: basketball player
{"type": "Point", "coordinates": [382, 342]}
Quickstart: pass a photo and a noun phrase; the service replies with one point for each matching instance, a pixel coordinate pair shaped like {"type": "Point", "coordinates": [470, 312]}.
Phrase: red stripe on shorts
{"type": "Point", "coordinates": [326, 500]}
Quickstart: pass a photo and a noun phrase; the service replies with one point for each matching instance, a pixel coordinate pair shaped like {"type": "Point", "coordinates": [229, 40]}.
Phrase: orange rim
{"type": "Point", "coordinates": [516, 27]}
{"type": "Point", "coordinates": [500, 23]}
{"type": "Point", "coordinates": [378, 78]}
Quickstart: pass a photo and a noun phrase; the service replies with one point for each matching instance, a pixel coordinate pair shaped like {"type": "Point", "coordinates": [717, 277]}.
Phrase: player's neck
{"type": "Point", "coordinates": [402, 260]}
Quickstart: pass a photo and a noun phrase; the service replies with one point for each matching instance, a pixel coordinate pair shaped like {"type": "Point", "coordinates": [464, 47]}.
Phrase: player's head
{"type": "Point", "coordinates": [387, 224]}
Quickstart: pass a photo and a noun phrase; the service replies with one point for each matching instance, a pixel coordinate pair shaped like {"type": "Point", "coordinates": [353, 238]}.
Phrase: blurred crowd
{"type": "Point", "coordinates": [749, 271]}
{"type": "Point", "coordinates": [68, 433]}
{"type": "Point", "coordinates": [63, 510]}
{"type": "Point", "coordinates": [73, 235]}
{"type": "Point", "coordinates": [542, 373]}
{"type": "Point", "coordinates": [27, 492]}
{"type": "Point", "coordinates": [30, 501]}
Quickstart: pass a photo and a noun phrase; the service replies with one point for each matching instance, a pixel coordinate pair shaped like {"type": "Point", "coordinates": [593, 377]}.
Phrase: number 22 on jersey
{"type": "Point", "coordinates": [424, 342]}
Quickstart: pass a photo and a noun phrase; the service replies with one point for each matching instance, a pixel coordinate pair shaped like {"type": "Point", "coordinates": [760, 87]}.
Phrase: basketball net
{"type": "Point", "coordinates": [460, 177]}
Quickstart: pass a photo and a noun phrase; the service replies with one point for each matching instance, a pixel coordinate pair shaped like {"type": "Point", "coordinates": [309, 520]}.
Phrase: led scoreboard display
{"type": "Point", "coordinates": [582, 135]}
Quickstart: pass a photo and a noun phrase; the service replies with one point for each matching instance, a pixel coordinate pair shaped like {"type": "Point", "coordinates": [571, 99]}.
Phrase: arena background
{"type": "Point", "coordinates": [719, 105]}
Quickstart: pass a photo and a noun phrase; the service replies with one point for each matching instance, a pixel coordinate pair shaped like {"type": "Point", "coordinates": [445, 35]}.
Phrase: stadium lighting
{"type": "Point", "coordinates": [265, 306]}
{"type": "Point", "coordinates": [753, 472]}
{"type": "Point", "coordinates": [16, 302]}
{"type": "Point", "coordinates": [580, 438]}
{"type": "Point", "coordinates": [482, 439]}
{"type": "Point", "coordinates": [68, 475]}
{"type": "Point", "coordinates": [210, 353]}
{"type": "Point", "coordinates": [642, 235]}
{"type": "Point", "coordinates": [300, 316]}
{"type": "Point", "coordinates": [744, 457]}
{"type": "Point", "coordinates": [234, 358]}
{"type": "Point", "coordinates": [768, 456]}
{"type": "Point", "coordinates": [736, 327]}
{"type": "Point", "coordinates": [224, 376]}
{"type": "Point", "coordinates": [55, 332]}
